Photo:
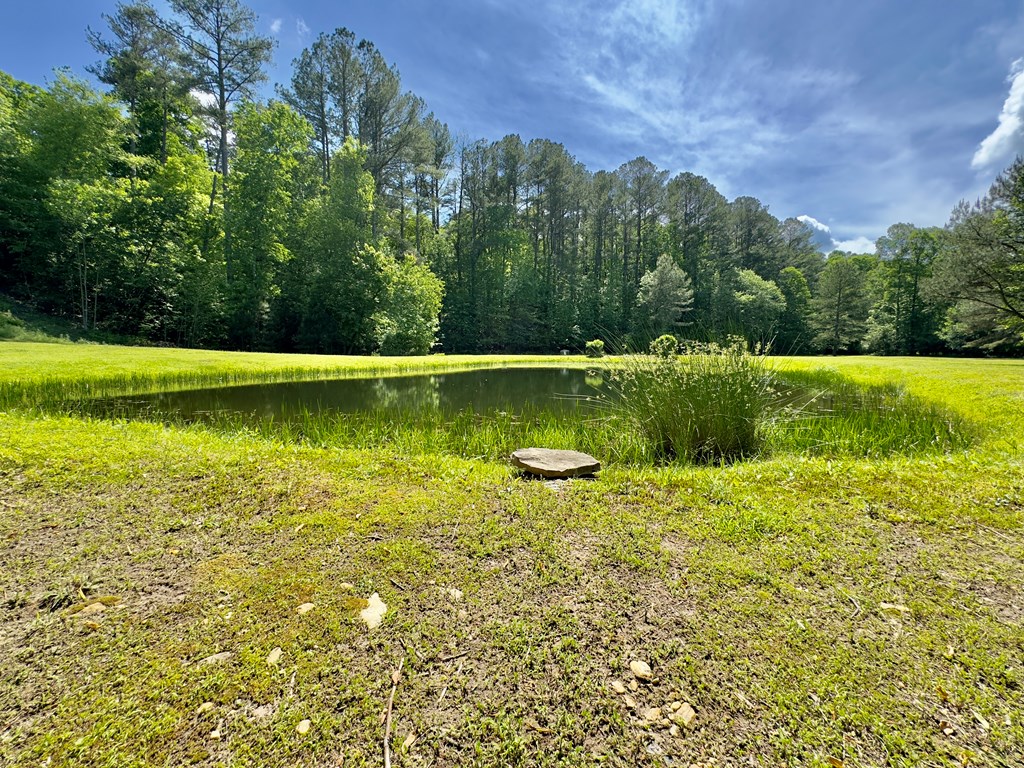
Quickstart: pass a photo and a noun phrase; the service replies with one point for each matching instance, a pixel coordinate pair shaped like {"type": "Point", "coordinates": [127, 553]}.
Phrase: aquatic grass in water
{"type": "Point", "coordinates": [722, 403]}
{"type": "Point", "coordinates": [492, 436]}
{"type": "Point", "coordinates": [825, 413]}
{"type": "Point", "coordinates": [711, 405]}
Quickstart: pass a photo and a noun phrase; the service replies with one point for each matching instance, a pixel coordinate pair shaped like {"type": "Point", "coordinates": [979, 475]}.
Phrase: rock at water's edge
{"type": "Point", "coordinates": [551, 463]}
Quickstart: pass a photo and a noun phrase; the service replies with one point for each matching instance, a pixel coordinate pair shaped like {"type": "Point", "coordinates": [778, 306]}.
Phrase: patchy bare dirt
{"type": "Point", "coordinates": [516, 611]}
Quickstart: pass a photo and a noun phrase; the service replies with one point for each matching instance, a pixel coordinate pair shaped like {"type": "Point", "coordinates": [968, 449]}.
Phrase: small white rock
{"type": "Point", "coordinates": [641, 670]}
{"type": "Point", "coordinates": [684, 716]}
{"type": "Point", "coordinates": [653, 714]}
{"type": "Point", "coordinates": [373, 614]}
{"type": "Point", "coordinates": [217, 658]}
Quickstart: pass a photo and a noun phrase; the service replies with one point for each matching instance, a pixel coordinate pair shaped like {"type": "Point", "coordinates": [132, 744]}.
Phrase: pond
{"type": "Point", "coordinates": [509, 390]}
{"type": "Point", "coordinates": [493, 411]}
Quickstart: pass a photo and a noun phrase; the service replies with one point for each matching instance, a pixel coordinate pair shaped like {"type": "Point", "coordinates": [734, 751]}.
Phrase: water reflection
{"type": "Point", "coordinates": [512, 390]}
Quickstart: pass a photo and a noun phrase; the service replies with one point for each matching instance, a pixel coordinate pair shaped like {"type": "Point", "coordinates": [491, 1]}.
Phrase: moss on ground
{"type": "Point", "coordinates": [813, 611]}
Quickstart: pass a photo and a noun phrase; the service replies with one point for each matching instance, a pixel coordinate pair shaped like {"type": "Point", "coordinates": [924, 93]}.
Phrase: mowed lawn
{"type": "Point", "coordinates": [181, 596]}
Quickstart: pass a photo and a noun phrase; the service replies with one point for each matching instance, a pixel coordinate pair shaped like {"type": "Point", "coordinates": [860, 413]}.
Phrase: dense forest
{"type": "Point", "coordinates": [178, 207]}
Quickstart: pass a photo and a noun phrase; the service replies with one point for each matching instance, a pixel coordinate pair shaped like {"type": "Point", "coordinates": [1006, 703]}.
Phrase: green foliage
{"type": "Point", "coordinates": [840, 308]}
{"type": "Point", "coordinates": [665, 296]}
{"type": "Point", "coordinates": [760, 303]}
{"type": "Point", "coordinates": [981, 269]}
{"type": "Point", "coordinates": [223, 56]}
{"type": "Point", "coordinates": [829, 414]}
{"type": "Point", "coordinates": [407, 322]}
{"type": "Point", "coordinates": [271, 150]}
{"type": "Point", "coordinates": [109, 215]}
{"type": "Point", "coordinates": [902, 320]}
{"type": "Point", "coordinates": [594, 348]}
{"type": "Point", "coordinates": [794, 332]}
{"type": "Point", "coordinates": [336, 280]}
{"type": "Point", "coordinates": [711, 405]}
{"type": "Point", "coordinates": [665, 345]}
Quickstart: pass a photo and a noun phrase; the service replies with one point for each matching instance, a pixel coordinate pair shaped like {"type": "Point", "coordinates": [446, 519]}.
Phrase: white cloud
{"type": "Point", "coordinates": [825, 242]}
{"type": "Point", "coordinates": [302, 28]}
{"type": "Point", "coordinates": [821, 234]}
{"type": "Point", "coordinates": [275, 26]}
{"type": "Point", "coordinates": [1007, 140]}
{"type": "Point", "coordinates": [857, 245]}
{"type": "Point", "coordinates": [204, 98]}
{"type": "Point", "coordinates": [814, 223]}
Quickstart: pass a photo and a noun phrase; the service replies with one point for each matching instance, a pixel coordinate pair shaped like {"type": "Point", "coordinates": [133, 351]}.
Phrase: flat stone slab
{"type": "Point", "coordinates": [551, 463]}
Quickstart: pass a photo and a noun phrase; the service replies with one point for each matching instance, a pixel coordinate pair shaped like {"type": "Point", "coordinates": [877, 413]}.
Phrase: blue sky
{"type": "Point", "coordinates": [855, 114]}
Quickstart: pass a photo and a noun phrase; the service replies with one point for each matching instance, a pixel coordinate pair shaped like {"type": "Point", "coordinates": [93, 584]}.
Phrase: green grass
{"type": "Point", "coordinates": [812, 609]}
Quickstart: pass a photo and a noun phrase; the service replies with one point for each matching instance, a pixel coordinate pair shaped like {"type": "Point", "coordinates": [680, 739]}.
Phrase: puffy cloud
{"type": "Point", "coordinates": [1007, 140]}
{"type": "Point", "coordinates": [275, 26]}
{"type": "Point", "coordinates": [857, 245]}
{"type": "Point", "coordinates": [821, 234]}
{"type": "Point", "coordinates": [825, 242]}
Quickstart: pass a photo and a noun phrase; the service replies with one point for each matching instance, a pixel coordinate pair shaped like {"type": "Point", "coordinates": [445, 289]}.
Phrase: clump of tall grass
{"type": "Point", "coordinates": [711, 405]}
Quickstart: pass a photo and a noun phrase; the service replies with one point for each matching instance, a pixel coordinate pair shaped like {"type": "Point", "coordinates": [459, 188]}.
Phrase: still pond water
{"type": "Point", "coordinates": [512, 390]}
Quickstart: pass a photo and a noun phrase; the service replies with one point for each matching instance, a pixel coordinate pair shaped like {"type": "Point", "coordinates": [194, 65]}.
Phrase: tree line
{"type": "Point", "coordinates": [342, 216]}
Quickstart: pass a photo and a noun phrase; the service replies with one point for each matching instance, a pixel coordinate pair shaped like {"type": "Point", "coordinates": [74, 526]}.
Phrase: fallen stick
{"type": "Point", "coordinates": [445, 689]}
{"type": "Point", "coordinates": [853, 600]}
{"type": "Point", "coordinates": [395, 677]}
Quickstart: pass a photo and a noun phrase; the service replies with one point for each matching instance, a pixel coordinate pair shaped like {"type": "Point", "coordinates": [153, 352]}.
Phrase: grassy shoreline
{"type": "Point", "coordinates": [810, 610]}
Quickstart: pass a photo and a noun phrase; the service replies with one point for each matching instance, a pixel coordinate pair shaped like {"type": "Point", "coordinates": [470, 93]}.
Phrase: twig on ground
{"type": "Point", "coordinates": [395, 677]}
{"type": "Point", "coordinates": [453, 657]}
{"type": "Point", "coordinates": [853, 600]}
{"type": "Point", "coordinates": [445, 689]}
{"type": "Point", "coordinates": [996, 531]}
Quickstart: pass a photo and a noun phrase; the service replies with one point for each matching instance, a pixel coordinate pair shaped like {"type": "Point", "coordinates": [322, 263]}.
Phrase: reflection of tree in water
{"type": "Point", "coordinates": [484, 392]}
{"type": "Point", "coordinates": [407, 393]}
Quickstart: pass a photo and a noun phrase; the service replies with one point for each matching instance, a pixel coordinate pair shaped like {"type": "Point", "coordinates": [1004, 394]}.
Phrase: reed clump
{"type": "Point", "coordinates": [710, 405]}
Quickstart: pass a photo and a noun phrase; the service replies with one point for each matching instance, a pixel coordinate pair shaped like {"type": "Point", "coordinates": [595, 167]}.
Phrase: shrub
{"type": "Point", "coordinates": [594, 348]}
{"type": "Point", "coordinates": [10, 326]}
{"type": "Point", "coordinates": [665, 345]}
{"type": "Point", "coordinates": [712, 405]}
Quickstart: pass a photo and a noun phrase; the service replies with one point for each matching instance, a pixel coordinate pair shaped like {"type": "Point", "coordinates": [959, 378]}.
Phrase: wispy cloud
{"type": "Point", "coordinates": [646, 67]}
{"type": "Point", "coordinates": [1007, 140]}
{"type": "Point", "coordinates": [275, 26]}
{"type": "Point", "coordinates": [302, 28]}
